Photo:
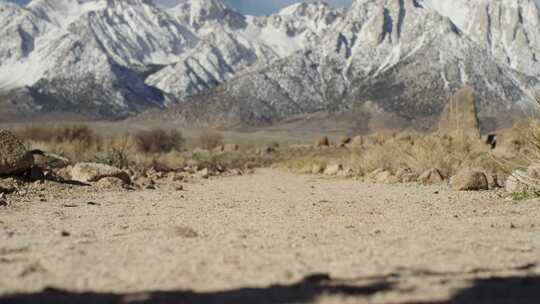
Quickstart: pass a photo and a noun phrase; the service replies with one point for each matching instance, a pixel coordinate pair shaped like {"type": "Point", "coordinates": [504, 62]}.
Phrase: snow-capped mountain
{"type": "Point", "coordinates": [204, 62]}
{"type": "Point", "coordinates": [88, 56]}
{"type": "Point", "coordinates": [387, 59]}
{"type": "Point", "coordinates": [508, 29]}
{"type": "Point", "coordinates": [233, 44]}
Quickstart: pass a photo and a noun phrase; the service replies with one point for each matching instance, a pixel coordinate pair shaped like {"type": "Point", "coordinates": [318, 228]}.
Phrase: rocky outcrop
{"type": "Point", "coordinates": [459, 117]}
{"type": "Point", "coordinates": [385, 62]}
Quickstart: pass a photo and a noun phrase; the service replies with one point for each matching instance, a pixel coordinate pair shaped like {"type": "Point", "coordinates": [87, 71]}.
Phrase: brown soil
{"type": "Point", "coordinates": [271, 237]}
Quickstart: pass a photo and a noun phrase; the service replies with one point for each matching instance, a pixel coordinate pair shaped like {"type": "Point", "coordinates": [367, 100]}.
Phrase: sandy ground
{"type": "Point", "coordinates": [271, 237]}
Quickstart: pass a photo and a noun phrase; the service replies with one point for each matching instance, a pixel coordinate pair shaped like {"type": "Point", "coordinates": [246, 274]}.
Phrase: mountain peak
{"type": "Point", "coordinates": [201, 14]}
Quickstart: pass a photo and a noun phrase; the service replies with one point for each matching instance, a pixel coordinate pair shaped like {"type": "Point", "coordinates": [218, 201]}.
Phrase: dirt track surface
{"type": "Point", "coordinates": [272, 237]}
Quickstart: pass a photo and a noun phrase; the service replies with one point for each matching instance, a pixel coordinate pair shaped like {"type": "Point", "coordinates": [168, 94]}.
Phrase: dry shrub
{"type": "Point", "coordinates": [419, 152]}
{"type": "Point", "coordinates": [58, 134]}
{"type": "Point", "coordinates": [76, 142]}
{"type": "Point", "coordinates": [119, 151]}
{"type": "Point", "coordinates": [159, 140]}
{"type": "Point", "coordinates": [210, 140]}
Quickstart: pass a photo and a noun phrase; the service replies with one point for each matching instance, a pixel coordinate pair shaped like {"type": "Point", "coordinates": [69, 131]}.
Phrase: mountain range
{"type": "Point", "coordinates": [379, 62]}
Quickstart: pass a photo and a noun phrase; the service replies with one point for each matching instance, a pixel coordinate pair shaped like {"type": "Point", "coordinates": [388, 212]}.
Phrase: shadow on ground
{"type": "Point", "coordinates": [512, 290]}
{"type": "Point", "coordinates": [304, 291]}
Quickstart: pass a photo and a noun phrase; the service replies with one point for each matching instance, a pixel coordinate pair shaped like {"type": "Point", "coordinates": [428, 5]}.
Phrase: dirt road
{"type": "Point", "coordinates": [272, 237]}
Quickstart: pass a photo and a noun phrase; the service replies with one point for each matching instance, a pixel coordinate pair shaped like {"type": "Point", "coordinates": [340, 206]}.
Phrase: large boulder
{"type": "Point", "coordinates": [469, 180]}
{"type": "Point", "coordinates": [14, 157]}
{"type": "Point", "coordinates": [459, 117]}
{"type": "Point", "coordinates": [93, 172]}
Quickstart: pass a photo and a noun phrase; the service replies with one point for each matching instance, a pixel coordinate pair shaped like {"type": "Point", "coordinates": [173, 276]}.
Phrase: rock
{"type": "Point", "coordinates": [431, 177]}
{"type": "Point", "coordinates": [64, 173]}
{"type": "Point", "coordinates": [409, 178]}
{"type": "Point", "coordinates": [469, 180]}
{"type": "Point", "coordinates": [3, 200]}
{"type": "Point", "coordinates": [6, 188]}
{"type": "Point", "coordinates": [357, 141]}
{"type": "Point", "coordinates": [202, 174]}
{"type": "Point", "coordinates": [145, 183]}
{"type": "Point", "coordinates": [333, 169]}
{"type": "Point", "coordinates": [386, 177]}
{"type": "Point", "coordinates": [514, 182]}
{"type": "Point", "coordinates": [322, 142]}
{"type": "Point", "coordinates": [459, 117]}
{"type": "Point", "coordinates": [46, 160]}
{"type": "Point", "coordinates": [111, 183]}
{"type": "Point", "coordinates": [403, 171]}
{"type": "Point", "coordinates": [375, 173]}
{"type": "Point", "coordinates": [93, 172]}
{"type": "Point", "coordinates": [493, 181]}
{"type": "Point", "coordinates": [406, 175]}
{"type": "Point", "coordinates": [175, 177]}
{"type": "Point", "coordinates": [347, 173]}
{"type": "Point", "coordinates": [14, 157]}
{"type": "Point", "coordinates": [231, 148]}
{"type": "Point", "coordinates": [235, 172]}
{"type": "Point", "coordinates": [317, 169]}
{"type": "Point", "coordinates": [524, 180]}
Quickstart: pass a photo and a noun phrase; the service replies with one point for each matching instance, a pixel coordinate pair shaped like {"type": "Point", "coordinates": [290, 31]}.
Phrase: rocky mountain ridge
{"type": "Point", "coordinates": [203, 63]}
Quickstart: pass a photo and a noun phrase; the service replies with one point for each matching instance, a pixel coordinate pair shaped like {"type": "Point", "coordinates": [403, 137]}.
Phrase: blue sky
{"type": "Point", "coordinates": [256, 7]}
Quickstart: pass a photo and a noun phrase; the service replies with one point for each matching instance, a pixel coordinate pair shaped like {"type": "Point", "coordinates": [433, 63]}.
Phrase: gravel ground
{"type": "Point", "coordinates": [271, 237]}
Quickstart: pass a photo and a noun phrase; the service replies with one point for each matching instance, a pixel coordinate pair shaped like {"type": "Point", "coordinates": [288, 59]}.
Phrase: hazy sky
{"type": "Point", "coordinates": [256, 7]}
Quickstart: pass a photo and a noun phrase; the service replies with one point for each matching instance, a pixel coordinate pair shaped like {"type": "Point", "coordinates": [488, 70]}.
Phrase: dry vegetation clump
{"type": "Point", "coordinates": [418, 152]}
{"type": "Point", "coordinates": [159, 140]}
{"type": "Point", "coordinates": [210, 140]}
{"type": "Point", "coordinates": [158, 149]}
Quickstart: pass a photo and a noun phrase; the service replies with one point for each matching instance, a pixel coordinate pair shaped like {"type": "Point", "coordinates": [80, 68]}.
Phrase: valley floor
{"type": "Point", "coordinates": [272, 237]}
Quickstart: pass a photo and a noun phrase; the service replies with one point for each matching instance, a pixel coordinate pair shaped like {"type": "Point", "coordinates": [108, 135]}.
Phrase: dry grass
{"type": "Point", "coordinates": [158, 148]}
{"type": "Point", "coordinates": [418, 152]}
